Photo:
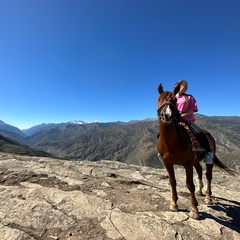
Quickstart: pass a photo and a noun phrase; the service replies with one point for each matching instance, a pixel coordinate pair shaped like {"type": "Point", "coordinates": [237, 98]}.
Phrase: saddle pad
{"type": "Point", "coordinates": [196, 147]}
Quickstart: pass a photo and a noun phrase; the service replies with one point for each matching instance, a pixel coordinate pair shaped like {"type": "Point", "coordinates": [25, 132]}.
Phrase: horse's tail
{"type": "Point", "coordinates": [217, 162]}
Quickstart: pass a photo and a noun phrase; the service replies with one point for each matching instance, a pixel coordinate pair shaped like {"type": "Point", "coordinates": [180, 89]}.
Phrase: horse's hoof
{"type": "Point", "coordinates": [208, 201]}
{"type": "Point", "coordinates": [199, 193]}
{"type": "Point", "coordinates": [194, 215]}
{"type": "Point", "coordinates": [173, 208]}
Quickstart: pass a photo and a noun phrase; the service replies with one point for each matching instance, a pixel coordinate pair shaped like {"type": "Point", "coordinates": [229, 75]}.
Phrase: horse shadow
{"type": "Point", "coordinates": [232, 210]}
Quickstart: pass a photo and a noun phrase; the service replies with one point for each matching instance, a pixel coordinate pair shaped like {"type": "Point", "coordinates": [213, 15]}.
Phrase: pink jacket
{"type": "Point", "coordinates": [184, 106]}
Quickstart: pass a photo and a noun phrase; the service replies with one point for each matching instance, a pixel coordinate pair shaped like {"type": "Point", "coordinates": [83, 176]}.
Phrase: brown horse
{"type": "Point", "coordinates": [175, 149]}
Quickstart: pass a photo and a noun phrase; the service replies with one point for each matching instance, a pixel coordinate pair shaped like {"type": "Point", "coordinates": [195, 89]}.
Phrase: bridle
{"type": "Point", "coordinates": [164, 105]}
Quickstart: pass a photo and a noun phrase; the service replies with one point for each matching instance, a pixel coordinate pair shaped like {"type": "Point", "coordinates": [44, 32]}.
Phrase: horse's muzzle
{"type": "Point", "coordinates": [166, 119]}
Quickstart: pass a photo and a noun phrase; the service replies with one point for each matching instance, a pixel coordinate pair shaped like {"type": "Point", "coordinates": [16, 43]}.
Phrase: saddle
{"type": "Point", "coordinates": [199, 138]}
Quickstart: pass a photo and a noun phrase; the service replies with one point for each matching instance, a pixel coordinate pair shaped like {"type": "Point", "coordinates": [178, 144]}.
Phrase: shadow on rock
{"type": "Point", "coordinates": [232, 211]}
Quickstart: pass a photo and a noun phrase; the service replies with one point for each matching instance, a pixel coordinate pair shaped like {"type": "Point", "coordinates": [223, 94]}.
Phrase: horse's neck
{"type": "Point", "coordinates": [169, 132]}
{"type": "Point", "coordinates": [173, 140]}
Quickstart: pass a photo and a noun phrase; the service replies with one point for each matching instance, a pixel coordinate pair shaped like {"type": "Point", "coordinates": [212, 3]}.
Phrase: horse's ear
{"type": "Point", "coordinates": [160, 89]}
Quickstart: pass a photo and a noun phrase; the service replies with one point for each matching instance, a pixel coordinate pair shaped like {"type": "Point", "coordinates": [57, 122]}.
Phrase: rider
{"type": "Point", "coordinates": [186, 103]}
{"type": "Point", "coordinates": [187, 106]}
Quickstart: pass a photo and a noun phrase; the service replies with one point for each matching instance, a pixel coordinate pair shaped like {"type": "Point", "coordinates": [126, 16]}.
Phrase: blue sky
{"type": "Point", "coordinates": [63, 60]}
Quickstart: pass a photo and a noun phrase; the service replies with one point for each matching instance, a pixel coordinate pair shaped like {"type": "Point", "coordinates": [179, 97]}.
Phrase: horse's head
{"type": "Point", "coordinates": [166, 106]}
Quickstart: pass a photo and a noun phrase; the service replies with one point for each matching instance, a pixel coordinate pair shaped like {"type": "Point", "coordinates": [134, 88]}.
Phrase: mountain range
{"type": "Point", "coordinates": [131, 142]}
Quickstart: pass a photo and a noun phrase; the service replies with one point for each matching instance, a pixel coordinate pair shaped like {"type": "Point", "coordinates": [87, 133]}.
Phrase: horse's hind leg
{"type": "Point", "coordinates": [209, 168]}
{"type": "Point", "coordinates": [173, 183]}
{"type": "Point", "coordinates": [208, 198]}
{"type": "Point", "coordinates": [200, 186]}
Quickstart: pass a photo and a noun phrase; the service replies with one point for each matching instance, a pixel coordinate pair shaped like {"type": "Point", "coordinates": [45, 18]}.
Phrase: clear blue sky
{"type": "Point", "coordinates": [63, 60]}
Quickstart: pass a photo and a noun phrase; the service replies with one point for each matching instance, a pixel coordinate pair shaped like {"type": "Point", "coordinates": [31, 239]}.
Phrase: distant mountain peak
{"type": "Point", "coordinates": [81, 122]}
{"type": "Point", "coordinates": [77, 122]}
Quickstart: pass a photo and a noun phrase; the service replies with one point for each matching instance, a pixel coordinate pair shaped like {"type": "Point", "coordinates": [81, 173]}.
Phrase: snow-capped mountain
{"type": "Point", "coordinates": [82, 122]}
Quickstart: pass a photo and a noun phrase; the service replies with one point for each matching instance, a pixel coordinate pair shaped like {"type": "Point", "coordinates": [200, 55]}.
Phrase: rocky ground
{"type": "Point", "coordinates": [43, 198]}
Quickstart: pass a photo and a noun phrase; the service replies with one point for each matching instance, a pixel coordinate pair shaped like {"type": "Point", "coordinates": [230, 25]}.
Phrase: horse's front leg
{"type": "Point", "coordinates": [173, 183]}
{"type": "Point", "coordinates": [190, 185]}
{"type": "Point", "coordinates": [208, 198]}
